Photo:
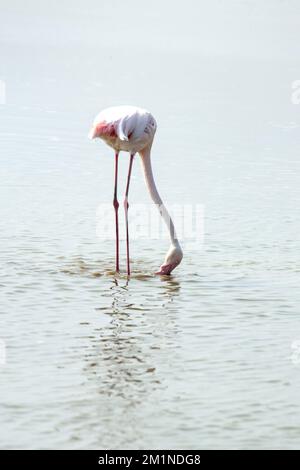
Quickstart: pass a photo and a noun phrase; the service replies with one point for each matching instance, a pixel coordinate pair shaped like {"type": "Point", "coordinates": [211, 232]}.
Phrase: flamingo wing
{"type": "Point", "coordinates": [126, 126]}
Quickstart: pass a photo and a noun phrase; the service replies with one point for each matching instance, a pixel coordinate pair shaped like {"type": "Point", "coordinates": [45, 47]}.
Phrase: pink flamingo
{"type": "Point", "coordinates": [131, 129]}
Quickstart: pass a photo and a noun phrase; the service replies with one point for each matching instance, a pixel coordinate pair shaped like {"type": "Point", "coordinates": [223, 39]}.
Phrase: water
{"type": "Point", "coordinates": [202, 359]}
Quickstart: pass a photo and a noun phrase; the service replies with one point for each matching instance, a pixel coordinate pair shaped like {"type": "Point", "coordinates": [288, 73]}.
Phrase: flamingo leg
{"type": "Point", "coordinates": [116, 206]}
{"type": "Point", "coordinates": [126, 206]}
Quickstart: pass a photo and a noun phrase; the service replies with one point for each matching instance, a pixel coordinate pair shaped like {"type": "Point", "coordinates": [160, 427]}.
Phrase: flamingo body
{"type": "Point", "coordinates": [126, 128]}
{"type": "Point", "coordinates": [132, 129]}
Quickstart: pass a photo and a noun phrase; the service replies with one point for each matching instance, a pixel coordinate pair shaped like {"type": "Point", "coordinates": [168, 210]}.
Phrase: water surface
{"type": "Point", "coordinates": [201, 359]}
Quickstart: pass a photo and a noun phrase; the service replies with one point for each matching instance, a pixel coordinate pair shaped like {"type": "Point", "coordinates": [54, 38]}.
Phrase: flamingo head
{"type": "Point", "coordinates": [172, 260]}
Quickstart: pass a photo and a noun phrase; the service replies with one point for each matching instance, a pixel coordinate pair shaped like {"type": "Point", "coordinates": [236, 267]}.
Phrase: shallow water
{"type": "Point", "coordinates": [201, 359]}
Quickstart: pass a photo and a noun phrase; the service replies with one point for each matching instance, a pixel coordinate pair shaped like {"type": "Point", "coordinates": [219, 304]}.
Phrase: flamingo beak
{"type": "Point", "coordinates": [166, 269]}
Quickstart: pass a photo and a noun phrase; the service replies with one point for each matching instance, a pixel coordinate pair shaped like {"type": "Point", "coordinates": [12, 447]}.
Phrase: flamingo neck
{"type": "Point", "coordinates": [150, 183]}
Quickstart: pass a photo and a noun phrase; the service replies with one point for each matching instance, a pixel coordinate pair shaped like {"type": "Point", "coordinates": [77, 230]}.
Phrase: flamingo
{"type": "Point", "coordinates": [132, 129]}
